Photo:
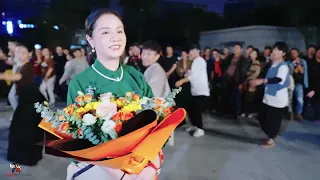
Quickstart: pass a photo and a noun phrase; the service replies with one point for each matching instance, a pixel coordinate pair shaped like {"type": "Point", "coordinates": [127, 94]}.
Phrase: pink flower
{"type": "Point", "coordinates": [106, 110]}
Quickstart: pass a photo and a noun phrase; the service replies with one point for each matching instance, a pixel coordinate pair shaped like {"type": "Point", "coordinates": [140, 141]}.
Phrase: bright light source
{"type": "Point", "coordinates": [19, 22]}
{"type": "Point", "coordinates": [37, 46]}
{"type": "Point", "coordinates": [32, 26]}
{"type": "Point", "coordinates": [24, 26]}
{"type": "Point", "coordinates": [3, 14]}
{"type": "Point", "coordinates": [4, 23]}
{"type": "Point", "coordinates": [9, 27]}
{"type": "Point", "coordinates": [21, 26]}
{"type": "Point", "coordinates": [28, 25]}
{"type": "Point", "coordinates": [56, 27]}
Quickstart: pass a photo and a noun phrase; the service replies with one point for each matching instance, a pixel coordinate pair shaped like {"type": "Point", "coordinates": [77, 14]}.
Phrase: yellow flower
{"type": "Point", "coordinates": [89, 107]}
{"type": "Point", "coordinates": [120, 102]}
{"type": "Point", "coordinates": [132, 107]}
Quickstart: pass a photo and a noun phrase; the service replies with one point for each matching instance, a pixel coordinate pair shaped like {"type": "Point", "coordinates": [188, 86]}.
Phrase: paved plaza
{"type": "Point", "coordinates": [228, 151]}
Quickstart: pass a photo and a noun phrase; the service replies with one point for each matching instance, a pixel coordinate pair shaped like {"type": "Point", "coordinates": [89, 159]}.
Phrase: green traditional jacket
{"type": "Point", "coordinates": [132, 81]}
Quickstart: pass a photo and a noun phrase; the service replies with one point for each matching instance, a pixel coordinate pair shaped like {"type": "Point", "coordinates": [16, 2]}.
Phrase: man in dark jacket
{"type": "Point", "coordinates": [235, 71]}
{"type": "Point", "coordinates": [314, 89]}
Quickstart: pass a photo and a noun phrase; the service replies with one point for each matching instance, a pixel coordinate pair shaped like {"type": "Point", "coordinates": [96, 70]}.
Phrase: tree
{"type": "Point", "coordinates": [136, 14]}
{"type": "Point", "coordinates": [69, 15]}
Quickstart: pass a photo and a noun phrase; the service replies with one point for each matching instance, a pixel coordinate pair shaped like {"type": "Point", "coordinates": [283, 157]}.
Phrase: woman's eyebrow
{"type": "Point", "coordinates": [110, 28]}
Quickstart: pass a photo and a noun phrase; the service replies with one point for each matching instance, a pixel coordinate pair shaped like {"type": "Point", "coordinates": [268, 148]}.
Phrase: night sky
{"type": "Point", "coordinates": [213, 5]}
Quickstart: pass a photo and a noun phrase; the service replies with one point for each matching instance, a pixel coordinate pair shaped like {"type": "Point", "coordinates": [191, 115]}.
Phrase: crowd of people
{"type": "Point", "coordinates": [212, 80]}
{"type": "Point", "coordinates": [224, 78]}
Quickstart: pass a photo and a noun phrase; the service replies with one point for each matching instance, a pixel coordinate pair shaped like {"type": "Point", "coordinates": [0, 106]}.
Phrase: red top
{"type": "Point", "coordinates": [36, 66]}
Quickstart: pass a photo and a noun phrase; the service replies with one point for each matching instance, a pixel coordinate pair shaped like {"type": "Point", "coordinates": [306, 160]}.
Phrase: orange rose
{"type": "Point", "coordinates": [158, 108]}
{"type": "Point", "coordinates": [65, 127]}
{"type": "Point", "coordinates": [159, 101]}
{"type": "Point", "coordinates": [69, 110]}
{"type": "Point", "coordinates": [127, 116]}
{"type": "Point", "coordinates": [136, 97]}
{"type": "Point", "coordinates": [79, 99]}
{"type": "Point", "coordinates": [118, 128]}
{"type": "Point", "coordinates": [87, 98]}
{"type": "Point", "coordinates": [61, 118]}
{"type": "Point", "coordinates": [167, 111]}
{"type": "Point", "coordinates": [117, 116]}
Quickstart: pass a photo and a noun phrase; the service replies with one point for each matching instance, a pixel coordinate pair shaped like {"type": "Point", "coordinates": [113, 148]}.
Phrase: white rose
{"type": "Point", "coordinates": [106, 110]}
{"type": "Point", "coordinates": [108, 126]}
{"type": "Point", "coordinates": [106, 97]}
{"type": "Point", "coordinates": [89, 119]}
{"type": "Point", "coordinates": [144, 100]}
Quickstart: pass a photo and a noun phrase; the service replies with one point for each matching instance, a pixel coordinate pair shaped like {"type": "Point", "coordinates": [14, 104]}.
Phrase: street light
{"type": "Point", "coordinates": [56, 27]}
{"type": "Point", "coordinates": [9, 27]}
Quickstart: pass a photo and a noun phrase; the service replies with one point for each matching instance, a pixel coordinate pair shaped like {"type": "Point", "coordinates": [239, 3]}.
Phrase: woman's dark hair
{"type": "Point", "coordinates": [250, 47]}
{"type": "Point", "coordinates": [206, 48]}
{"type": "Point", "coordinates": [312, 46]}
{"type": "Point", "coordinates": [94, 16]}
{"type": "Point", "coordinates": [91, 23]}
{"type": "Point", "coordinates": [295, 49]}
{"type": "Point", "coordinates": [255, 50]}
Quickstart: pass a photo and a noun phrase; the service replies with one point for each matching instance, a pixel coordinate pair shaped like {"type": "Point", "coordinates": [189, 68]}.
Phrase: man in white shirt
{"type": "Point", "coordinates": [199, 89]}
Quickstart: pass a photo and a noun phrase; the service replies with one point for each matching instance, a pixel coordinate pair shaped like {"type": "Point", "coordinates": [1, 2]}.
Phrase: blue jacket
{"type": "Point", "coordinates": [305, 74]}
{"type": "Point", "coordinates": [272, 89]}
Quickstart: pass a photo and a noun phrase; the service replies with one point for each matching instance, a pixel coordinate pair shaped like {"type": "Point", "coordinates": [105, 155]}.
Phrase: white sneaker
{"type": "Point", "coordinates": [191, 128]}
{"type": "Point", "coordinates": [198, 133]}
{"type": "Point", "coordinates": [243, 115]}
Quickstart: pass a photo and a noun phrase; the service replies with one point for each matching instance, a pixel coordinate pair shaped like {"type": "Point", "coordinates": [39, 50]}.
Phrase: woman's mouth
{"type": "Point", "coordinates": [115, 47]}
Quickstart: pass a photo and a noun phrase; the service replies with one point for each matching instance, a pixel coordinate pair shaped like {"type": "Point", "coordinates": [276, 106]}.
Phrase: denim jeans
{"type": "Point", "coordinates": [47, 86]}
{"type": "Point", "coordinates": [298, 93]}
{"type": "Point", "coordinates": [290, 93]}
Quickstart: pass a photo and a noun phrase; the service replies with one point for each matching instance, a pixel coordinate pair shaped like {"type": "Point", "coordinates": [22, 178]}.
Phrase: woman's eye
{"type": "Point", "coordinates": [105, 33]}
{"type": "Point", "coordinates": [120, 31]}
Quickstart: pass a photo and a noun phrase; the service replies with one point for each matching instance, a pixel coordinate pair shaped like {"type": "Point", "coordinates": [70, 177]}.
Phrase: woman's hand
{"type": "Point", "coordinates": [179, 83]}
{"type": "Point", "coordinates": [147, 173]}
{"type": "Point", "coordinates": [256, 82]}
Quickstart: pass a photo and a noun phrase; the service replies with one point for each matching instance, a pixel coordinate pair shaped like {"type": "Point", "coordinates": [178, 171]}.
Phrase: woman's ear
{"type": "Point", "coordinates": [90, 41]}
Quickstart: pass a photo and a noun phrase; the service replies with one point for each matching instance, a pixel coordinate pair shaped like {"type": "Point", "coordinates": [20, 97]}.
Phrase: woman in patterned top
{"type": "Point", "coordinates": [249, 91]}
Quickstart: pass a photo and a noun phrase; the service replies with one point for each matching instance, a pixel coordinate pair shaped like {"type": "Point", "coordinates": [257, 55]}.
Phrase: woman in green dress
{"type": "Point", "coordinates": [106, 36]}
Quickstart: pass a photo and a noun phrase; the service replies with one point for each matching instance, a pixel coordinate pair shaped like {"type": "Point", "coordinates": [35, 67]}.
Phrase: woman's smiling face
{"type": "Point", "coordinates": [108, 37]}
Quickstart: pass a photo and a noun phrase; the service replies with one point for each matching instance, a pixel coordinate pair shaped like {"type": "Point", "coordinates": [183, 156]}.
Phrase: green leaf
{"type": "Point", "coordinates": [74, 136]}
{"type": "Point", "coordinates": [113, 134]}
{"type": "Point", "coordinates": [96, 142]}
{"type": "Point", "coordinates": [94, 137]}
{"type": "Point", "coordinates": [88, 136]}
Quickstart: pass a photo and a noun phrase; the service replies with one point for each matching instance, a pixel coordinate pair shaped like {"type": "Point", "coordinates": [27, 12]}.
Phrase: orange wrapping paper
{"type": "Point", "coordinates": [130, 153]}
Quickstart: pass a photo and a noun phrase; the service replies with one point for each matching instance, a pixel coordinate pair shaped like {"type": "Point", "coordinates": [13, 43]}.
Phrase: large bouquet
{"type": "Point", "coordinates": [116, 127]}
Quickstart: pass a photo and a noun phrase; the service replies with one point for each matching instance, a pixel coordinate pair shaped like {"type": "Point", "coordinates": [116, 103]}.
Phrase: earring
{"type": "Point", "coordinates": [93, 50]}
